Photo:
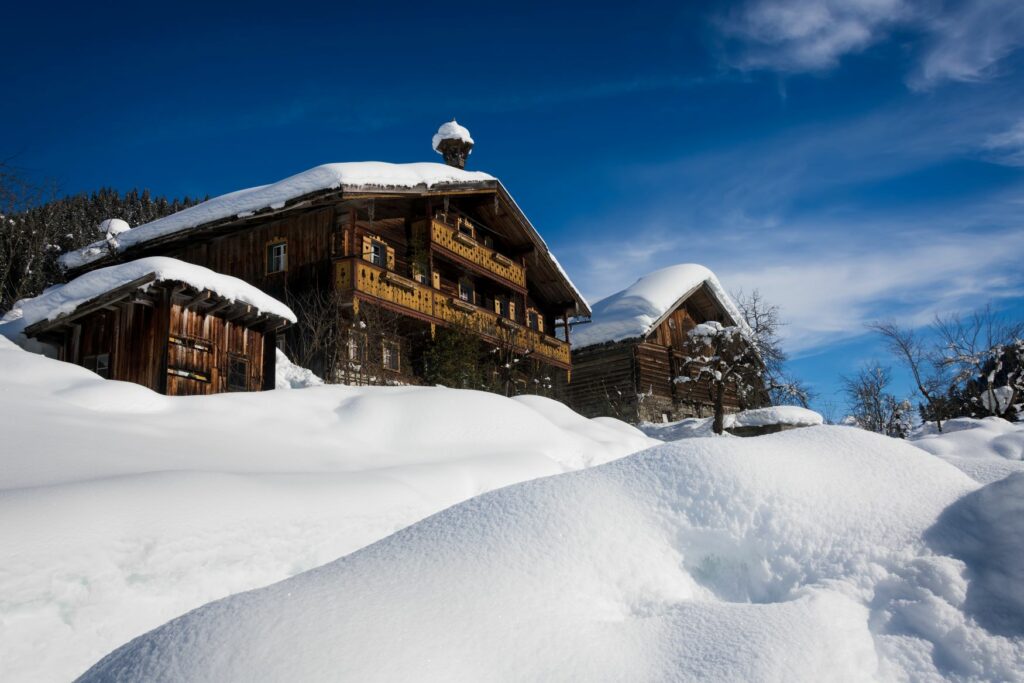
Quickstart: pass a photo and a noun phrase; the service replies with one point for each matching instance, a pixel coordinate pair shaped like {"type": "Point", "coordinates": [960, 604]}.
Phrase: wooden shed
{"type": "Point", "coordinates": [627, 359]}
{"type": "Point", "coordinates": [176, 328]}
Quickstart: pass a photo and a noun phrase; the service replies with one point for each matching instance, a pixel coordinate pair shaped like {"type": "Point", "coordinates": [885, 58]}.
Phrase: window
{"type": "Point", "coordinates": [378, 254]}
{"type": "Point", "coordinates": [466, 290]}
{"type": "Point", "coordinates": [532, 320]}
{"type": "Point", "coordinates": [357, 347]}
{"type": "Point", "coordinates": [466, 228]}
{"type": "Point", "coordinates": [391, 355]}
{"type": "Point", "coordinates": [99, 363]}
{"type": "Point", "coordinates": [501, 307]}
{"type": "Point", "coordinates": [277, 257]}
{"type": "Point", "coordinates": [238, 373]}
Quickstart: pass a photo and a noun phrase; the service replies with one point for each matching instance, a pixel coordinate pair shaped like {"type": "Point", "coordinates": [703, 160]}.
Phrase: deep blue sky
{"type": "Point", "coordinates": [852, 159]}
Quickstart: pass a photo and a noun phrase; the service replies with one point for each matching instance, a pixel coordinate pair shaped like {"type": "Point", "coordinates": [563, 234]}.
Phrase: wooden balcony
{"type": "Point", "coordinates": [450, 242]}
{"type": "Point", "coordinates": [431, 305]}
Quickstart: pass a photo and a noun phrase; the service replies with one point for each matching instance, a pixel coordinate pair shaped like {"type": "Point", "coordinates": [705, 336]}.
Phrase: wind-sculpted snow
{"type": "Point", "coordinates": [988, 449]}
{"type": "Point", "coordinates": [799, 556]}
{"type": "Point", "coordinates": [121, 508]}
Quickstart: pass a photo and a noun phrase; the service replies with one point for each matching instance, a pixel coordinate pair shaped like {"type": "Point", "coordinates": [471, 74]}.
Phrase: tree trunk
{"type": "Point", "coordinates": [719, 424]}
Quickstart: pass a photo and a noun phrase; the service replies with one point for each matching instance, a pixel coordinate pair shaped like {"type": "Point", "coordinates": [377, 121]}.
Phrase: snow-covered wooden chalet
{"type": "Point", "coordinates": [627, 359]}
{"type": "Point", "coordinates": [430, 245]}
{"type": "Point", "coordinates": [174, 327]}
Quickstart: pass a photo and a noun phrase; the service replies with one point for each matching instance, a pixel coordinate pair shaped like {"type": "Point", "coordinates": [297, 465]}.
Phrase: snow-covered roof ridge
{"type": "Point", "coordinates": [65, 299]}
{"type": "Point", "coordinates": [638, 309]}
{"type": "Point", "coordinates": [378, 175]}
{"type": "Point", "coordinates": [451, 130]}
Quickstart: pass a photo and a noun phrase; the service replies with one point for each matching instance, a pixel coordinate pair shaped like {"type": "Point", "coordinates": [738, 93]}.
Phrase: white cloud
{"type": "Point", "coordinates": [805, 217]}
{"type": "Point", "coordinates": [807, 35]}
{"type": "Point", "coordinates": [1007, 147]}
{"type": "Point", "coordinates": [962, 41]}
{"type": "Point", "coordinates": [968, 43]}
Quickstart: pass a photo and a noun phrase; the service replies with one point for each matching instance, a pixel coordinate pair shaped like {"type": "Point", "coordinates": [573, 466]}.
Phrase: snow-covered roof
{"type": "Point", "coordinates": [65, 299]}
{"type": "Point", "coordinates": [451, 131]}
{"type": "Point", "coordinates": [367, 175]}
{"type": "Point", "coordinates": [638, 309]}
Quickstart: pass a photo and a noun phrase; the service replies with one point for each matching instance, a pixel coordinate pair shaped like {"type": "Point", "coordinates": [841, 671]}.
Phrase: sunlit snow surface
{"type": "Point", "coordinates": [822, 553]}
{"type": "Point", "coordinates": [121, 508]}
{"type": "Point", "coordinates": [818, 554]}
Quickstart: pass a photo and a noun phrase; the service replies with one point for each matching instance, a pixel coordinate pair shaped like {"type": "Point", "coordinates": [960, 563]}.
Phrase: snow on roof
{"type": "Point", "coordinates": [113, 227]}
{"type": "Point", "coordinates": [351, 175]}
{"type": "Point", "coordinates": [451, 131]}
{"type": "Point", "coordinates": [64, 299]}
{"type": "Point", "coordinates": [636, 310]}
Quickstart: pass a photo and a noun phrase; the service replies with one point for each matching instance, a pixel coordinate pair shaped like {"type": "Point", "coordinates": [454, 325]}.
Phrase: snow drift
{"type": "Point", "coordinates": [123, 508]}
{"type": "Point", "coordinates": [800, 556]}
{"type": "Point", "coordinates": [987, 449]}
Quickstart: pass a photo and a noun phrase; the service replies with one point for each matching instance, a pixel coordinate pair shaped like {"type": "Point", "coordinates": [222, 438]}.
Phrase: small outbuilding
{"type": "Point", "coordinates": [177, 328]}
{"type": "Point", "coordinates": [628, 358]}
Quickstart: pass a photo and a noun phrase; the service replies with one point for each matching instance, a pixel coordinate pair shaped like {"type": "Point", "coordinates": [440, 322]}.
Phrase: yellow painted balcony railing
{"type": "Point", "coordinates": [361, 276]}
{"type": "Point", "coordinates": [447, 237]}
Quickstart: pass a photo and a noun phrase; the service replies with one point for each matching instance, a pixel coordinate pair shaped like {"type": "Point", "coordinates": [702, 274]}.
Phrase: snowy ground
{"type": "Point", "coordinates": [987, 450]}
{"type": "Point", "coordinates": [122, 508]}
{"type": "Point", "coordinates": [820, 554]}
{"type": "Point", "coordinates": [824, 553]}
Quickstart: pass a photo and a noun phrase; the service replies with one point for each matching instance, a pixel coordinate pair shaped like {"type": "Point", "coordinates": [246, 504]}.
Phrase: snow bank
{"type": "Point", "coordinates": [634, 311]}
{"type": "Point", "coordinates": [798, 556]}
{"type": "Point", "coordinates": [696, 427]}
{"type": "Point", "coordinates": [288, 375]}
{"type": "Point", "coordinates": [986, 531]}
{"type": "Point", "coordinates": [987, 449]}
{"type": "Point", "coordinates": [351, 175]}
{"type": "Point", "coordinates": [123, 508]}
{"type": "Point", "coordinates": [450, 130]}
{"type": "Point", "coordinates": [60, 300]}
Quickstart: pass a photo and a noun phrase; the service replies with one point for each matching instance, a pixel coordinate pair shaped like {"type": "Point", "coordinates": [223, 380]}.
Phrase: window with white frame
{"type": "Point", "coordinates": [466, 292]}
{"type": "Point", "coordinates": [277, 257]}
{"type": "Point", "coordinates": [391, 355]}
{"type": "Point", "coordinates": [378, 253]}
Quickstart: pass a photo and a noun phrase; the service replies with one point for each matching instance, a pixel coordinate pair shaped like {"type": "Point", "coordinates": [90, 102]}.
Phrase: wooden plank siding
{"type": "Point", "coordinates": [200, 350]}
{"type": "Point", "coordinates": [243, 254]}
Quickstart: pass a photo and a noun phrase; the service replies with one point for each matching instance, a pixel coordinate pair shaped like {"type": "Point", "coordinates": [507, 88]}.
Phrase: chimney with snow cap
{"type": "Point", "coordinates": [453, 142]}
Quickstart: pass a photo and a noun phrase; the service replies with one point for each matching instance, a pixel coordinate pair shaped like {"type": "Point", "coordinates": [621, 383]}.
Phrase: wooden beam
{"type": "Point", "coordinates": [198, 298]}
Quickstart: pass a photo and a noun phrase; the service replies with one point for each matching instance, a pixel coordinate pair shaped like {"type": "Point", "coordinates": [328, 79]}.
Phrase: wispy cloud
{"type": "Point", "coordinates": [796, 216]}
{"type": "Point", "coordinates": [806, 35]}
{"type": "Point", "coordinates": [958, 41]}
{"type": "Point", "coordinates": [1007, 147]}
{"type": "Point", "coordinates": [968, 42]}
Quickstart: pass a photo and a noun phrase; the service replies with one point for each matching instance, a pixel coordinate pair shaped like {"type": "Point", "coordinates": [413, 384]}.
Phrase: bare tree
{"type": "Point", "coordinates": [727, 359]}
{"type": "Point", "coordinates": [980, 353]}
{"type": "Point", "coordinates": [765, 321]}
{"type": "Point", "coordinates": [873, 407]}
{"type": "Point", "coordinates": [924, 364]}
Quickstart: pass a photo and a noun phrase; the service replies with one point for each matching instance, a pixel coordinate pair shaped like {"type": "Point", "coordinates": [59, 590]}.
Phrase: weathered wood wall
{"type": "Point", "coordinates": [243, 253]}
{"type": "Point", "coordinates": [201, 348]}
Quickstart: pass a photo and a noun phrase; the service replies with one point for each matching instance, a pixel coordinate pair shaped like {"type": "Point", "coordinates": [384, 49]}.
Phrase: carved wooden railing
{"type": "Point", "coordinates": [448, 238]}
{"type": "Point", "coordinates": [357, 275]}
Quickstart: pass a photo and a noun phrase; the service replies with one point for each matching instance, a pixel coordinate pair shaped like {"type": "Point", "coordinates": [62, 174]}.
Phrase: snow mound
{"type": "Point", "coordinates": [123, 508]}
{"type": "Point", "coordinates": [450, 130]}
{"type": "Point", "coordinates": [698, 427]}
{"type": "Point", "coordinates": [288, 375]}
{"type": "Point", "coordinates": [987, 449]}
{"type": "Point", "coordinates": [793, 416]}
{"type": "Point", "coordinates": [350, 175]}
{"type": "Point", "coordinates": [798, 556]}
{"type": "Point", "coordinates": [986, 531]}
{"type": "Point", "coordinates": [635, 311]}
{"type": "Point", "coordinates": [60, 300]}
{"type": "Point", "coordinates": [112, 227]}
